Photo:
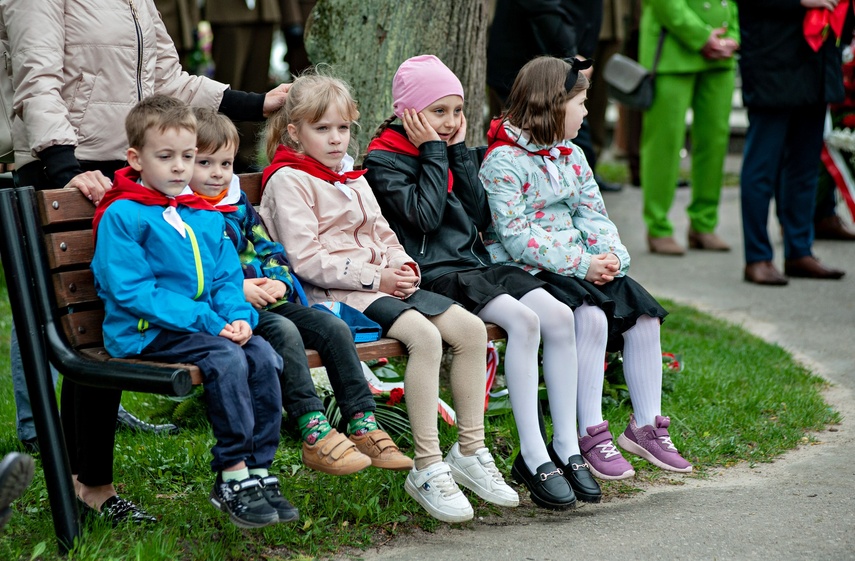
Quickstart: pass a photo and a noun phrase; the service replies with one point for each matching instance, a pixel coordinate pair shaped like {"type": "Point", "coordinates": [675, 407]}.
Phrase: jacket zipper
{"type": "Point", "coordinates": [361, 224]}
{"type": "Point", "coordinates": [139, 48]}
{"type": "Point", "coordinates": [423, 248]}
{"type": "Point", "coordinates": [472, 247]}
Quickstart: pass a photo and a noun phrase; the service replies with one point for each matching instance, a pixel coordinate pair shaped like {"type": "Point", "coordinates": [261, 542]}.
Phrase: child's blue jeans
{"type": "Point", "coordinates": [241, 391]}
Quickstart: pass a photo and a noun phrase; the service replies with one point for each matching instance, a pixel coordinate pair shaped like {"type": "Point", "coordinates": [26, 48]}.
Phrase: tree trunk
{"type": "Point", "coordinates": [365, 41]}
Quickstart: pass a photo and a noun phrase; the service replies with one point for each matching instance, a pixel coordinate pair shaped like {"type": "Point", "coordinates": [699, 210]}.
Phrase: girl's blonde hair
{"type": "Point", "coordinates": [538, 96]}
{"type": "Point", "coordinates": [311, 94]}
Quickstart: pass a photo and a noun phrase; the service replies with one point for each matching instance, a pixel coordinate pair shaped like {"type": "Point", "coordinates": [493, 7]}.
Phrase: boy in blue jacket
{"type": "Point", "coordinates": [288, 323]}
{"type": "Point", "coordinates": [173, 291]}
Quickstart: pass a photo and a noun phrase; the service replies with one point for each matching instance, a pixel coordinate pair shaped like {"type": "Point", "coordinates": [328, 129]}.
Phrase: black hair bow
{"type": "Point", "coordinates": [576, 66]}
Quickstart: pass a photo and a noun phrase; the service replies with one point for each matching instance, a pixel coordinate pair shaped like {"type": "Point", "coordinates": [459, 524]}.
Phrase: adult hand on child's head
{"type": "Point", "coordinates": [827, 4]}
{"type": "Point", "coordinates": [417, 128]}
{"type": "Point", "coordinates": [400, 283]}
{"type": "Point", "coordinates": [275, 98]}
{"type": "Point", "coordinates": [460, 134]}
{"type": "Point", "coordinates": [93, 185]}
{"type": "Point", "coordinates": [255, 292]}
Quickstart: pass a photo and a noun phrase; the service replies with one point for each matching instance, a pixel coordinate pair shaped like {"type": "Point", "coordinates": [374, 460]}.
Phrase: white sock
{"type": "Point", "coordinates": [642, 367]}
{"type": "Point", "coordinates": [591, 336]}
{"type": "Point", "coordinates": [559, 367]}
{"type": "Point", "coordinates": [521, 371]}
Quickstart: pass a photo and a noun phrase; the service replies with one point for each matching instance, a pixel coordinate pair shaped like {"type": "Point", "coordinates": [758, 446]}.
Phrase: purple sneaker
{"type": "Point", "coordinates": [654, 444]}
{"type": "Point", "coordinates": [603, 458]}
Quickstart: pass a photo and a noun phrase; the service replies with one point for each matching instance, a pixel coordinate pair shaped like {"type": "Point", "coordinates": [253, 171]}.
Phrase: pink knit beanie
{"type": "Point", "coordinates": [420, 81]}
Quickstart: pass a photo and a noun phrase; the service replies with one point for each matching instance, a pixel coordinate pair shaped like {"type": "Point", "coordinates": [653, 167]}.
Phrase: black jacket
{"type": "Point", "coordinates": [779, 70]}
{"type": "Point", "coordinates": [524, 29]}
{"type": "Point", "coordinates": [440, 230]}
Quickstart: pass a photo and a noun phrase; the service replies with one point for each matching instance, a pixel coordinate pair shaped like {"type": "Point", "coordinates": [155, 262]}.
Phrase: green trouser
{"type": "Point", "coordinates": [709, 94]}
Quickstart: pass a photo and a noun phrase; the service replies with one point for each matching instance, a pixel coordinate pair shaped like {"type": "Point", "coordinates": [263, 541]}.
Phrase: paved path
{"type": "Point", "coordinates": [800, 507]}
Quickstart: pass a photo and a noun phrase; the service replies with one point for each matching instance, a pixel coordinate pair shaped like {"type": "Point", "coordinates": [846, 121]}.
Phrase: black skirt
{"type": "Point", "coordinates": [623, 300]}
{"type": "Point", "coordinates": [473, 288]}
{"type": "Point", "coordinates": [386, 310]}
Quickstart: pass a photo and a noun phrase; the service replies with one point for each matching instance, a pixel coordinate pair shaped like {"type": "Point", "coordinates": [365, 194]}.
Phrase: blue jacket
{"type": "Point", "coordinates": [151, 278]}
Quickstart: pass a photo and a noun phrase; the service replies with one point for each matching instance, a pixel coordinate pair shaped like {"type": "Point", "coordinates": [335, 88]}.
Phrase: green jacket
{"type": "Point", "coordinates": [688, 24]}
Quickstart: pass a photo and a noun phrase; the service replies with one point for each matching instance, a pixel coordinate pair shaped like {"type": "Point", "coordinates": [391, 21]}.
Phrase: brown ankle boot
{"type": "Point", "coordinates": [708, 241]}
{"type": "Point", "coordinates": [664, 246]}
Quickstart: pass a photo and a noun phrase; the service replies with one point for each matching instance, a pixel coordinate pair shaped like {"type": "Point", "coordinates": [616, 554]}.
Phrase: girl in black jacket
{"type": "Point", "coordinates": [426, 181]}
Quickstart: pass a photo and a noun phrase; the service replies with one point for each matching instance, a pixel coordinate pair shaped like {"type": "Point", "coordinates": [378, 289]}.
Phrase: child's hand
{"type": "Point", "coordinates": [255, 292]}
{"type": "Point", "coordinates": [400, 283]}
{"type": "Point", "coordinates": [237, 331]}
{"type": "Point", "coordinates": [275, 288]}
{"type": "Point", "coordinates": [460, 135]}
{"type": "Point", "coordinates": [602, 268]}
{"type": "Point", "coordinates": [417, 128]}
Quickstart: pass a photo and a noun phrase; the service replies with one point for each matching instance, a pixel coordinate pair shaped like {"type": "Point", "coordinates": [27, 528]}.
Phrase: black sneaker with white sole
{"type": "Point", "coordinates": [272, 491]}
{"type": "Point", "coordinates": [244, 502]}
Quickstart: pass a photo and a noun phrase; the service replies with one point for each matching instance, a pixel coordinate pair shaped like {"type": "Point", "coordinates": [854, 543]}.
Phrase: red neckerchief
{"type": "Point", "coordinates": [394, 141]}
{"type": "Point", "coordinates": [286, 156]}
{"type": "Point", "coordinates": [125, 186]}
{"type": "Point", "coordinates": [498, 136]}
{"type": "Point", "coordinates": [818, 21]}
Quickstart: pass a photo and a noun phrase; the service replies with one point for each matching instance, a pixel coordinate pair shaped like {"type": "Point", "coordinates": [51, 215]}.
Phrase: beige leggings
{"type": "Point", "coordinates": [423, 337]}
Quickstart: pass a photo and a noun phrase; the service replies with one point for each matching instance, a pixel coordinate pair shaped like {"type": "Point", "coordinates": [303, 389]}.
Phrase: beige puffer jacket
{"type": "Point", "coordinates": [79, 66]}
{"type": "Point", "coordinates": [337, 246]}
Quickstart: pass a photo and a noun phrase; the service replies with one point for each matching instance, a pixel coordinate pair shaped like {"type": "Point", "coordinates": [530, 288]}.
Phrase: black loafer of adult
{"type": "Point", "coordinates": [578, 475]}
{"type": "Point", "coordinates": [117, 511]}
{"type": "Point", "coordinates": [548, 487]}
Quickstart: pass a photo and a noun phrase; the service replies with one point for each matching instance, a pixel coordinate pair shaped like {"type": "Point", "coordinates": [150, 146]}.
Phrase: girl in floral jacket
{"type": "Point", "coordinates": [549, 218]}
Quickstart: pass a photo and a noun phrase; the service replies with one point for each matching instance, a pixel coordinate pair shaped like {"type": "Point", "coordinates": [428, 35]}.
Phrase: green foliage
{"type": "Point", "coordinates": [736, 399]}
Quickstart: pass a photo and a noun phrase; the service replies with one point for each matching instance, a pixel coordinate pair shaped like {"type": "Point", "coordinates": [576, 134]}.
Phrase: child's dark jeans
{"type": "Point", "coordinates": [241, 392]}
{"type": "Point", "coordinates": [291, 329]}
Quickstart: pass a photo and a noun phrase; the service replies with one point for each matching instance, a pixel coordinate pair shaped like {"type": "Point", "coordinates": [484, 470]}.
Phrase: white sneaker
{"type": "Point", "coordinates": [435, 489]}
{"type": "Point", "coordinates": [479, 474]}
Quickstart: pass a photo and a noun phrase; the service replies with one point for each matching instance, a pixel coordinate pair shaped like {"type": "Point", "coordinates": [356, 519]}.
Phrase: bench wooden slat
{"type": "Point", "coordinates": [74, 287]}
{"type": "Point", "coordinates": [61, 206]}
{"type": "Point", "coordinates": [250, 183]}
{"type": "Point", "coordinates": [69, 248]}
{"type": "Point", "coordinates": [83, 329]}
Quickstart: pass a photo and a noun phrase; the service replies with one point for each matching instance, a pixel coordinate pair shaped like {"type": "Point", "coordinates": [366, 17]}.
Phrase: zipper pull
{"type": "Point", "coordinates": [424, 245]}
{"type": "Point", "coordinates": [133, 8]}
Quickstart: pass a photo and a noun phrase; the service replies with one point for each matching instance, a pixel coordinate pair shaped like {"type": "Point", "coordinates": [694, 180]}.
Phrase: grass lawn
{"type": "Point", "coordinates": [736, 399]}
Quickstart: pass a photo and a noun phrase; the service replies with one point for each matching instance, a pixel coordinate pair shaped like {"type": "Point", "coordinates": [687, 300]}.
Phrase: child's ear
{"type": "Point", "coordinates": [134, 159]}
{"type": "Point", "coordinates": [292, 132]}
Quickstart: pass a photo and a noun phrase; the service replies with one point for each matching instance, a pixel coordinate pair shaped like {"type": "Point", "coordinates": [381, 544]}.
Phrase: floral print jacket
{"type": "Point", "coordinates": [541, 223]}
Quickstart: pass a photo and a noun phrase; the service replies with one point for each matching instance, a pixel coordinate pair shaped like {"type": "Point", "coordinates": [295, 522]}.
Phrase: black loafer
{"type": "Point", "coordinates": [579, 476]}
{"type": "Point", "coordinates": [548, 487]}
{"type": "Point", "coordinates": [117, 511]}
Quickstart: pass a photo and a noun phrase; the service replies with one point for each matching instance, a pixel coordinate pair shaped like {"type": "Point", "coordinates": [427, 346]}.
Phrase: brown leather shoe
{"type": "Point", "coordinates": [334, 454]}
{"type": "Point", "coordinates": [809, 267]}
{"type": "Point", "coordinates": [764, 272]}
{"type": "Point", "coordinates": [832, 228]}
{"type": "Point", "coordinates": [380, 447]}
{"type": "Point", "coordinates": [664, 246]}
{"type": "Point", "coordinates": [710, 241]}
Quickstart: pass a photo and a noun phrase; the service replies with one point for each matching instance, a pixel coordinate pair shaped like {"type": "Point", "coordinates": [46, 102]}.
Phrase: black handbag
{"type": "Point", "coordinates": [629, 83]}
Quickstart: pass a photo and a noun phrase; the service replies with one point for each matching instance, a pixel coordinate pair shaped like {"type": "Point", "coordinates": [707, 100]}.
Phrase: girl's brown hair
{"type": "Point", "coordinates": [311, 94]}
{"type": "Point", "coordinates": [538, 96]}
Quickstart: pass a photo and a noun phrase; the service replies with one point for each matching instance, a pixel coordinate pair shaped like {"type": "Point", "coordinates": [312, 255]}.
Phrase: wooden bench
{"type": "Point", "coordinates": [46, 249]}
{"type": "Point", "coordinates": [66, 219]}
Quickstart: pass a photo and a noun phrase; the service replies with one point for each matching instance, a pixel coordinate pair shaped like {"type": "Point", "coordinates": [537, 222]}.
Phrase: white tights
{"type": "Point", "coordinates": [642, 364]}
{"type": "Point", "coordinates": [536, 315]}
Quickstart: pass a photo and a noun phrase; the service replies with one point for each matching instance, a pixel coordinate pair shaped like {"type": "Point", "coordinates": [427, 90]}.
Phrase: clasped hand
{"type": "Point", "coordinates": [237, 331]}
{"type": "Point", "coordinates": [400, 283]}
{"type": "Point", "coordinates": [263, 291]}
{"type": "Point", "coordinates": [603, 268]}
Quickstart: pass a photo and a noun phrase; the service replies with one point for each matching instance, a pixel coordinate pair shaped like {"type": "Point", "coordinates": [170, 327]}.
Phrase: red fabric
{"type": "Point", "coordinates": [125, 186]}
{"type": "Point", "coordinates": [839, 181]}
{"type": "Point", "coordinates": [498, 136]}
{"type": "Point", "coordinates": [391, 140]}
{"type": "Point", "coordinates": [818, 21]}
{"type": "Point", "coordinates": [286, 156]}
